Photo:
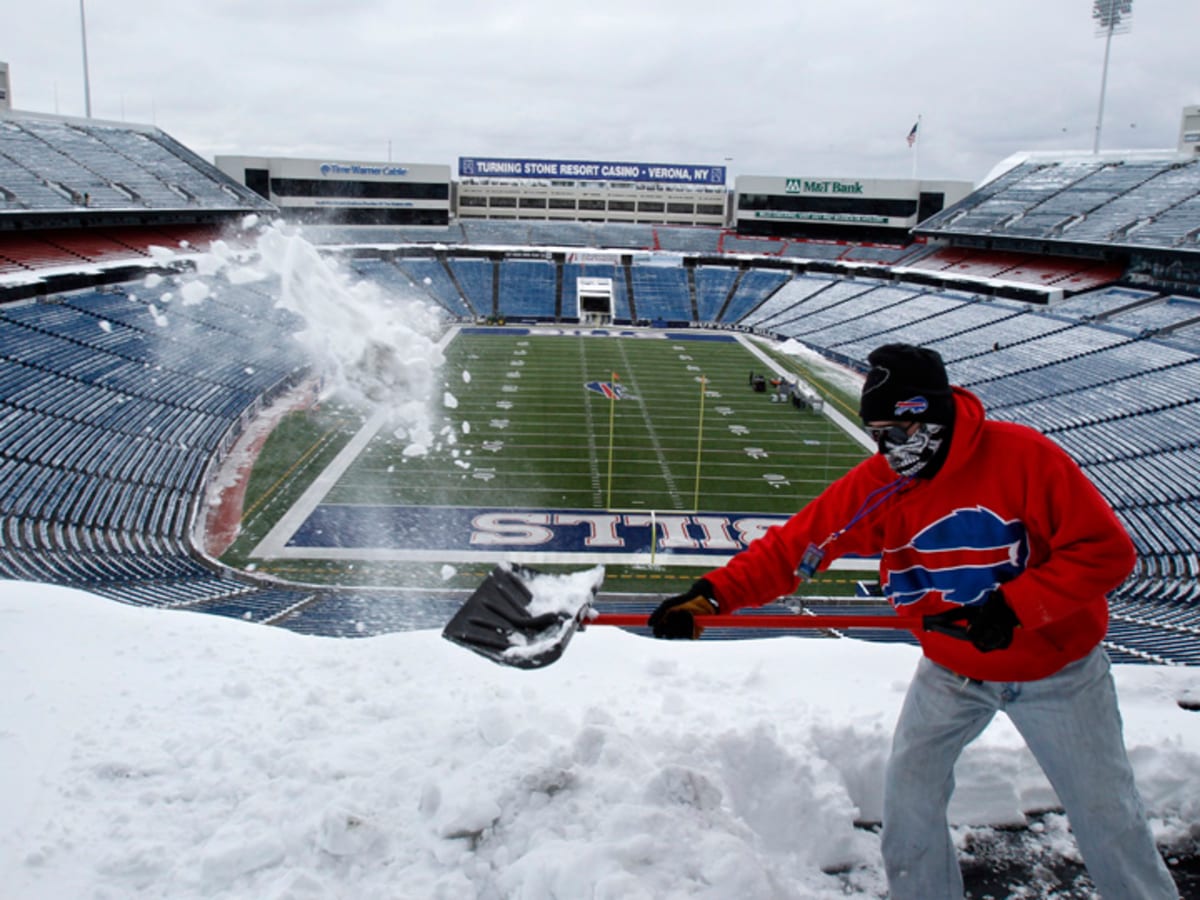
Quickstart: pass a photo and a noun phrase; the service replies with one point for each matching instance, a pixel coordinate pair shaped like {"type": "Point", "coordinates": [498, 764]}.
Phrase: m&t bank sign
{"type": "Point", "coordinates": [828, 186]}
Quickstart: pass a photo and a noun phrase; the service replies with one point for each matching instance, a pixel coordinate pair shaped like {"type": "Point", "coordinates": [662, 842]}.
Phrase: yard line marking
{"type": "Point", "coordinates": [593, 452]}
{"type": "Point", "coordinates": [668, 477]}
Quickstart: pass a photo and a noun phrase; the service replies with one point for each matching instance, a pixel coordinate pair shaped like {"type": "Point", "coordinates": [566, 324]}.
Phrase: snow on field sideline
{"type": "Point", "coordinates": [845, 380]}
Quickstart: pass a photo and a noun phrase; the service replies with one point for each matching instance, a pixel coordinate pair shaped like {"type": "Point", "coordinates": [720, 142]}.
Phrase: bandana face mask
{"type": "Point", "coordinates": [910, 454]}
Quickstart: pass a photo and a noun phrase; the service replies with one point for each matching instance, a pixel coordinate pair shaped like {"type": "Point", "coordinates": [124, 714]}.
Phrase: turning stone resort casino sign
{"type": "Point", "coordinates": [585, 170]}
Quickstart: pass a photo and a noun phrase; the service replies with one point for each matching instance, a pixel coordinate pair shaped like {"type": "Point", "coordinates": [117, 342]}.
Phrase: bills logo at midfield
{"type": "Point", "coordinates": [961, 556]}
{"type": "Point", "coordinates": [609, 389]}
{"type": "Point", "coordinates": [913, 406]}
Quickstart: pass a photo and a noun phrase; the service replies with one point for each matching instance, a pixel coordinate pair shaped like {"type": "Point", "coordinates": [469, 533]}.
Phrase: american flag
{"type": "Point", "coordinates": [912, 135]}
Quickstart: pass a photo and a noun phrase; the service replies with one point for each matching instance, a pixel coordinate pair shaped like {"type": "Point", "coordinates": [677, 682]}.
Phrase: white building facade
{"type": "Point", "coordinates": [343, 192]}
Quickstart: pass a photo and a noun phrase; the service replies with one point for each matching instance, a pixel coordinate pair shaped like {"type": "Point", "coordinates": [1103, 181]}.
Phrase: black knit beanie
{"type": "Point", "coordinates": [906, 383]}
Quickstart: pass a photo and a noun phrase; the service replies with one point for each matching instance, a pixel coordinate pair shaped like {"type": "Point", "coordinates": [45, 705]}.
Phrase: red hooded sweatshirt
{"type": "Point", "coordinates": [1008, 508]}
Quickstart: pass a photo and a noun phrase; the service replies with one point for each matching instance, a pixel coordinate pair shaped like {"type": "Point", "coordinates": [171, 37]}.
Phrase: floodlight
{"type": "Point", "coordinates": [1111, 17]}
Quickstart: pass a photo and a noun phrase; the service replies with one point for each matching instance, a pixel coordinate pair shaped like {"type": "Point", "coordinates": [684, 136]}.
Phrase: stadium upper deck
{"type": "Point", "coordinates": [1073, 203]}
{"type": "Point", "coordinates": [1133, 214]}
{"type": "Point", "coordinates": [59, 172]}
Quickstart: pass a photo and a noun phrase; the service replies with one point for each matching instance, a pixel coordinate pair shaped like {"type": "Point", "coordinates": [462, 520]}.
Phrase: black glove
{"type": "Point", "coordinates": [675, 616]}
{"type": "Point", "coordinates": [988, 626]}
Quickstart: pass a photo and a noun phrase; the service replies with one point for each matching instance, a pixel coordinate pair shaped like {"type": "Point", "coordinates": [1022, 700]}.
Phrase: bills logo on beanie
{"type": "Point", "coordinates": [906, 383]}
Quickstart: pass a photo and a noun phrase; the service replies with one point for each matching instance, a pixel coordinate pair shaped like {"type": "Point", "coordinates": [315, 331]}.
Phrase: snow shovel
{"type": "Point", "coordinates": [520, 617]}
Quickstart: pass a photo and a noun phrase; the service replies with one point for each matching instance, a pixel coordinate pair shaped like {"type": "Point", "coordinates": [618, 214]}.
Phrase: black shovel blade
{"type": "Point", "coordinates": [495, 622]}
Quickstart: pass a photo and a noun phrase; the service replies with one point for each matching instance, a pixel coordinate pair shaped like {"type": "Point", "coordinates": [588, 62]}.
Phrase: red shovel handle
{"type": "Point", "coordinates": [770, 621]}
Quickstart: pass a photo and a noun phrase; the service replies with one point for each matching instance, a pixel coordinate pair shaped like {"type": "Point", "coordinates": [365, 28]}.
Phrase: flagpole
{"type": "Point", "coordinates": [699, 444]}
{"type": "Point", "coordinates": [612, 406]}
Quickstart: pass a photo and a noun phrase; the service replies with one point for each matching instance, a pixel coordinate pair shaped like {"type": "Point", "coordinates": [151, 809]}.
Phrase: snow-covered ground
{"type": "Point", "coordinates": [171, 754]}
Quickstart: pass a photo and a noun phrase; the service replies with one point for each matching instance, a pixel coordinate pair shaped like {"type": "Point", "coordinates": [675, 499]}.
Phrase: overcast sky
{"type": "Point", "coordinates": [819, 87]}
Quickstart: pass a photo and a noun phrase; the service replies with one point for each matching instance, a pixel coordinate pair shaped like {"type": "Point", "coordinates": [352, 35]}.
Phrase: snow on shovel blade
{"type": "Point", "coordinates": [520, 617]}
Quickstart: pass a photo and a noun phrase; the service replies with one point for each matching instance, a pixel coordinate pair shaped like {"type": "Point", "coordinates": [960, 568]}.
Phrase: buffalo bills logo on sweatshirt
{"type": "Point", "coordinates": [961, 556]}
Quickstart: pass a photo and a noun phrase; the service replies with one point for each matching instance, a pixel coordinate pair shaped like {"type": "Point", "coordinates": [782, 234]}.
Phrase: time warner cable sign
{"type": "Point", "coordinates": [582, 170]}
{"type": "Point", "coordinates": [389, 171]}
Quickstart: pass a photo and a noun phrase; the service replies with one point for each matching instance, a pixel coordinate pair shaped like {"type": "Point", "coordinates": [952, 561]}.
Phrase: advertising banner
{"type": "Point", "coordinates": [582, 170]}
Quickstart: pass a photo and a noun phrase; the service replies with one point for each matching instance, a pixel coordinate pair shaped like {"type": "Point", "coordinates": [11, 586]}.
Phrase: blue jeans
{"type": "Point", "coordinates": [1071, 724]}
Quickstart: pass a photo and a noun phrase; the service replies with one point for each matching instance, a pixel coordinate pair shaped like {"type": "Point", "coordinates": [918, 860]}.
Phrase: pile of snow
{"type": "Point", "coordinates": [170, 754]}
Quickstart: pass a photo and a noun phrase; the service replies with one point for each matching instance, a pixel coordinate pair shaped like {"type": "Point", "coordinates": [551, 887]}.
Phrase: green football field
{"type": "Point", "coordinates": [649, 422]}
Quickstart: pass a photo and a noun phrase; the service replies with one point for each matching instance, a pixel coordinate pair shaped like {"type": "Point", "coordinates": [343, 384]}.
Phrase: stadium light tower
{"type": "Point", "coordinates": [1111, 17]}
{"type": "Point", "coordinates": [87, 86]}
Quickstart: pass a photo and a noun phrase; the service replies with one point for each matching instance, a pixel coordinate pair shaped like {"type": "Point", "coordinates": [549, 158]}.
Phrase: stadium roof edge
{"type": "Point", "coordinates": [1061, 156]}
{"type": "Point", "coordinates": [77, 120]}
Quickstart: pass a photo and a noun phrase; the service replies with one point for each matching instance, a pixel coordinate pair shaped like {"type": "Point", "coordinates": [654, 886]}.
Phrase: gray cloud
{"type": "Point", "coordinates": [823, 87]}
